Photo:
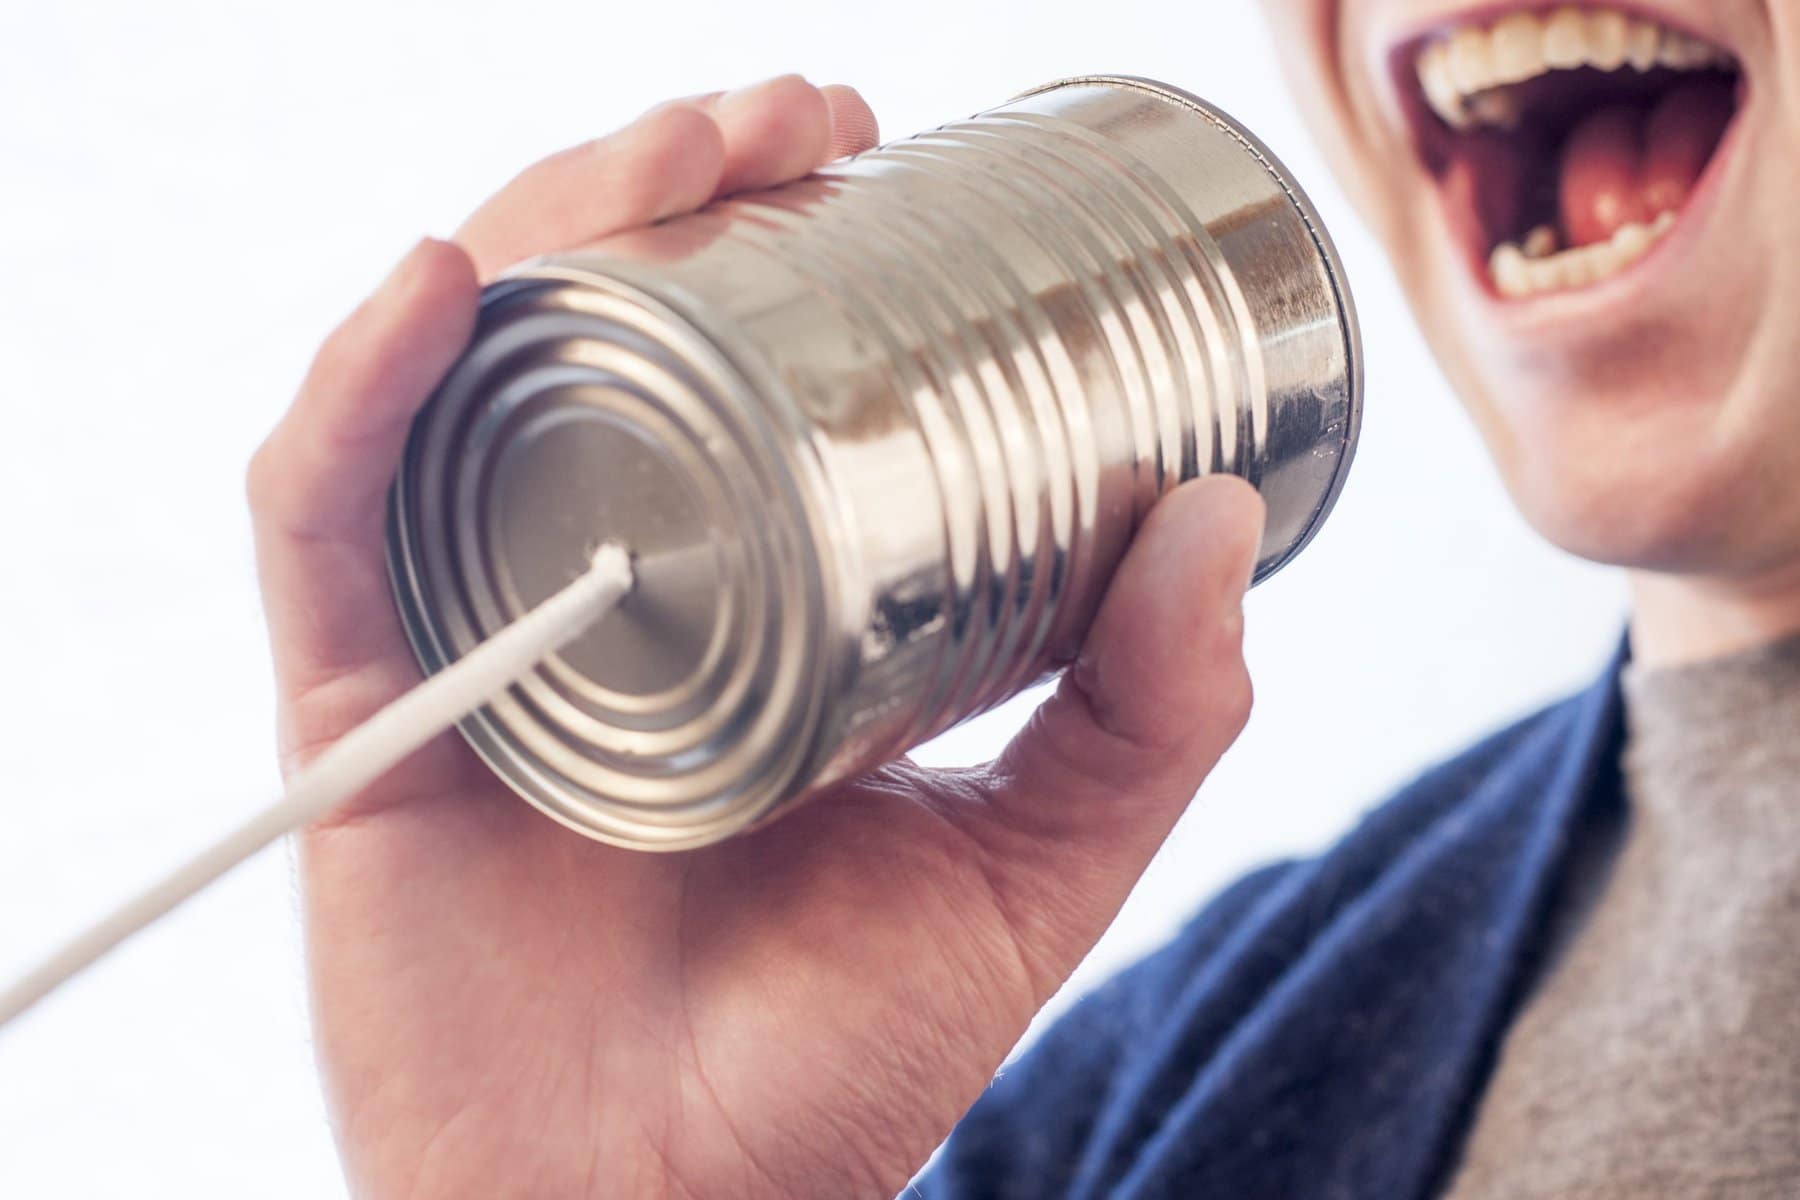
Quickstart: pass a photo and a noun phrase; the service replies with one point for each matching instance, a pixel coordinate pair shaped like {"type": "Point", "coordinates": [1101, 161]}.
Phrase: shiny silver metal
{"type": "Point", "coordinates": [877, 439]}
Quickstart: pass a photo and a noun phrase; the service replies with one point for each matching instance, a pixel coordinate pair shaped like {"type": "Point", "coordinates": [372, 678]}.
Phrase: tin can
{"type": "Point", "coordinates": [876, 439]}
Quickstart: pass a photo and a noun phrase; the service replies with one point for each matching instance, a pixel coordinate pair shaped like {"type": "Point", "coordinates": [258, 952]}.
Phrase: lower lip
{"type": "Point", "coordinates": [1563, 310]}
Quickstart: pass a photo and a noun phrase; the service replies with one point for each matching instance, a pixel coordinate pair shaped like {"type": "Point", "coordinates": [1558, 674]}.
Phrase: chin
{"type": "Point", "coordinates": [1609, 508]}
{"type": "Point", "coordinates": [1677, 473]}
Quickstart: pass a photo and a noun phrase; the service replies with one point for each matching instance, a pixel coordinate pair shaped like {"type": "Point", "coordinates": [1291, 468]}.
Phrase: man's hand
{"type": "Point", "coordinates": [505, 1009]}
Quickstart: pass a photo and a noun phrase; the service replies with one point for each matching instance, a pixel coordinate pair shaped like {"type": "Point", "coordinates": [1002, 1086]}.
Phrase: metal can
{"type": "Point", "coordinates": [876, 439]}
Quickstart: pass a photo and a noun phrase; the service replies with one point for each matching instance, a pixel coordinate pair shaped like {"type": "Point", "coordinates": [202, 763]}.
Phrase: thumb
{"type": "Point", "coordinates": [1086, 793]}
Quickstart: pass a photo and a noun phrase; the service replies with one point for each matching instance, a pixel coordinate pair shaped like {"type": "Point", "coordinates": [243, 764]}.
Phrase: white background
{"type": "Point", "coordinates": [190, 194]}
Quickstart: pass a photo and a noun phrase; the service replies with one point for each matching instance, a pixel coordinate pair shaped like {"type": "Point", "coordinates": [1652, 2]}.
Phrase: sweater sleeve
{"type": "Point", "coordinates": [1024, 1138]}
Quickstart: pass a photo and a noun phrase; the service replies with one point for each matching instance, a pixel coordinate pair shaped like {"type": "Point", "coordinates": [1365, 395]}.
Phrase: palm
{"type": "Point", "coordinates": [472, 921]}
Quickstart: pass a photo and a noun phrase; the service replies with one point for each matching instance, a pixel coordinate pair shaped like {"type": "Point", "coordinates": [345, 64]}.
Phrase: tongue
{"type": "Point", "coordinates": [1680, 137]}
{"type": "Point", "coordinates": [1600, 167]}
{"type": "Point", "coordinates": [1621, 165]}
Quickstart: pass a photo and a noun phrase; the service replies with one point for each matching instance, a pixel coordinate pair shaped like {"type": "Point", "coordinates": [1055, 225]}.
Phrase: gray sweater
{"type": "Point", "coordinates": [1659, 1054]}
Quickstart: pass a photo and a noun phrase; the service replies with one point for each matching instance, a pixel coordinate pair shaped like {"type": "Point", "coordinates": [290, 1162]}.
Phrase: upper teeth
{"type": "Point", "coordinates": [1456, 68]}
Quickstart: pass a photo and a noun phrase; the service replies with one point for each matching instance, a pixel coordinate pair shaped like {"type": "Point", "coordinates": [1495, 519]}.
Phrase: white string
{"type": "Point", "coordinates": [356, 760]}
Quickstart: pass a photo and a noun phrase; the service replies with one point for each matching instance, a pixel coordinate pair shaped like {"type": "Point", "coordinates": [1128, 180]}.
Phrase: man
{"type": "Point", "coordinates": [1559, 965]}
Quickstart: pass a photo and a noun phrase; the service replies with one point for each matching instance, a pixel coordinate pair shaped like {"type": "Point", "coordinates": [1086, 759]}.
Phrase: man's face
{"type": "Point", "coordinates": [1595, 213]}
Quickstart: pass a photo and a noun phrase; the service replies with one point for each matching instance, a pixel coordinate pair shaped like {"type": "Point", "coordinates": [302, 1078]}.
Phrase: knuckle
{"type": "Point", "coordinates": [1222, 645]}
{"type": "Point", "coordinates": [676, 125]}
{"type": "Point", "coordinates": [1126, 728]}
{"type": "Point", "coordinates": [794, 92]}
{"type": "Point", "coordinates": [668, 164]}
{"type": "Point", "coordinates": [1229, 690]}
{"type": "Point", "coordinates": [336, 355]}
{"type": "Point", "coordinates": [441, 266]}
{"type": "Point", "coordinates": [1234, 698]}
{"type": "Point", "coordinates": [262, 476]}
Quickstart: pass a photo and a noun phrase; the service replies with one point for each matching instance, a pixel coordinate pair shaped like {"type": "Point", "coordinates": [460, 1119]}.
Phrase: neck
{"type": "Point", "coordinates": [1689, 618]}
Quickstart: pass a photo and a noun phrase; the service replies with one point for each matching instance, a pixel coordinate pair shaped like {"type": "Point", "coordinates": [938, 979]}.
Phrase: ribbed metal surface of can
{"type": "Point", "coordinates": [877, 440]}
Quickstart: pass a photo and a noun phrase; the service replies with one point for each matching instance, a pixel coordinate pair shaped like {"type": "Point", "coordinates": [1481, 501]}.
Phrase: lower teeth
{"type": "Point", "coordinates": [1538, 266]}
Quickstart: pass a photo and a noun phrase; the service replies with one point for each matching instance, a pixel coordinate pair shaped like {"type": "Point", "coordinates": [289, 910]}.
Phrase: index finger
{"type": "Point", "coordinates": [318, 485]}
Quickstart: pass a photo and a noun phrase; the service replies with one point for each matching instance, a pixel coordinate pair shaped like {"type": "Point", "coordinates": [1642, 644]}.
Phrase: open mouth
{"type": "Point", "coordinates": [1567, 141]}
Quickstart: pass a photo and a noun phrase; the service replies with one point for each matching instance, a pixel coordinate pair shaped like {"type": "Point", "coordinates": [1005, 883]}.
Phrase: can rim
{"type": "Point", "coordinates": [621, 824]}
{"type": "Point", "coordinates": [1348, 322]}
